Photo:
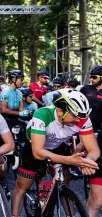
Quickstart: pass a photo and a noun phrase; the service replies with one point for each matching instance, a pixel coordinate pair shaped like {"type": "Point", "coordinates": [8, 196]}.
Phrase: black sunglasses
{"type": "Point", "coordinates": [95, 76]}
{"type": "Point", "coordinates": [30, 96]}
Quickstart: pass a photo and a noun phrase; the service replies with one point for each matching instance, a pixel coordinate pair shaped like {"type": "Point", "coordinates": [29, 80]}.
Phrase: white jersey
{"type": "Point", "coordinates": [3, 126]}
{"type": "Point", "coordinates": [45, 122]}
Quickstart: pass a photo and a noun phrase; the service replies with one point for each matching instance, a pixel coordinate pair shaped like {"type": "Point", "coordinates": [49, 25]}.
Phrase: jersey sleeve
{"type": "Point", "coordinates": [3, 126]}
{"type": "Point", "coordinates": [4, 95]}
{"type": "Point", "coordinates": [87, 128]}
{"type": "Point", "coordinates": [39, 122]}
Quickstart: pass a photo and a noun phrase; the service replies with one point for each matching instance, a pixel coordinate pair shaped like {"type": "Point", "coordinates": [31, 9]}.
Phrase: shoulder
{"type": "Point", "coordinates": [3, 125]}
{"type": "Point", "coordinates": [46, 114]}
{"type": "Point", "coordinates": [19, 92]}
{"type": "Point", "coordinates": [33, 84]}
{"type": "Point", "coordinates": [5, 90]}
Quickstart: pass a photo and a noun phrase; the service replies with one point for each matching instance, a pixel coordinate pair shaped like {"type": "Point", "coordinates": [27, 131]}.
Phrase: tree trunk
{"type": "Point", "coordinates": [20, 53]}
{"type": "Point", "coordinates": [2, 49]}
{"type": "Point", "coordinates": [83, 38]}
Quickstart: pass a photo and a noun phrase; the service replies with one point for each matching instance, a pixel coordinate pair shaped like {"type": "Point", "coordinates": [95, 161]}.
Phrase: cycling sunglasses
{"type": "Point", "coordinates": [30, 96]}
{"type": "Point", "coordinates": [57, 86]}
{"type": "Point", "coordinates": [83, 115]}
{"type": "Point", "coordinates": [95, 76]}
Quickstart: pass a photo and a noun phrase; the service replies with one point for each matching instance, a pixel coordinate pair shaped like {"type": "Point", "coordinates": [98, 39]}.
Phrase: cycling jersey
{"type": "Point", "coordinates": [12, 97]}
{"type": "Point", "coordinates": [38, 90]}
{"type": "Point", "coordinates": [3, 126]}
{"type": "Point", "coordinates": [45, 122]}
{"type": "Point", "coordinates": [94, 97]}
{"type": "Point", "coordinates": [31, 107]}
{"type": "Point", "coordinates": [48, 97]}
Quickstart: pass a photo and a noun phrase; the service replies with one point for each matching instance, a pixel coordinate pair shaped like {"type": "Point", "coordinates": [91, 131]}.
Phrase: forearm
{"type": "Point", "coordinates": [9, 111]}
{"type": "Point", "coordinates": [54, 157]}
{"type": "Point", "coordinates": [93, 155]}
{"type": "Point", "coordinates": [37, 100]}
{"type": "Point", "coordinates": [5, 148]}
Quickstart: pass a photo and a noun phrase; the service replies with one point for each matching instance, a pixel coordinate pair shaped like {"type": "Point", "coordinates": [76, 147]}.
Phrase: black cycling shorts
{"type": "Point", "coordinates": [29, 166]}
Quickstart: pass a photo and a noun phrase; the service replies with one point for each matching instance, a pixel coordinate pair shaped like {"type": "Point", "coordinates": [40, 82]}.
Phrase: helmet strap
{"type": "Point", "coordinates": [63, 117]}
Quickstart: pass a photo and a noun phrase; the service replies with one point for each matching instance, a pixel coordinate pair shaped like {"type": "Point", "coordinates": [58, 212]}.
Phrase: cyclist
{"type": "Point", "coordinates": [11, 98]}
{"type": "Point", "coordinates": [28, 99]}
{"type": "Point", "coordinates": [93, 92]}
{"type": "Point", "coordinates": [49, 132]}
{"type": "Point", "coordinates": [39, 88]}
{"type": "Point", "coordinates": [72, 83]}
{"type": "Point", "coordinates": [58, 83]}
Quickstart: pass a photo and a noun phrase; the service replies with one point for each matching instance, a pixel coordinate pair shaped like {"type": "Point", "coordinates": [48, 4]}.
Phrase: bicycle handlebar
{"type": "Point", "coordinates": [16, 162]}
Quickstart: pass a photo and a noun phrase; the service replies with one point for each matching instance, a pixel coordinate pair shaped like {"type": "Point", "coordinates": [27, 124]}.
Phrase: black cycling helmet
{"type": "Point", "coordinates": [2, 78]}
{"type": "Point", "coordinates": [96, 70]}
{"type": "Point", "coordinates": [73, 82]}
{"type": "Point", "coordinates": [15, 74]}
{"type": "Point", "coordinates": [58, 80]}
{"type": "Point", "coordinates": [26, 91]}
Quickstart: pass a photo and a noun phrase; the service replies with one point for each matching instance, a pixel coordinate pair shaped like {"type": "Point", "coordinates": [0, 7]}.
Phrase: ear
{"type": "Point", "coordinates": [59, 112]}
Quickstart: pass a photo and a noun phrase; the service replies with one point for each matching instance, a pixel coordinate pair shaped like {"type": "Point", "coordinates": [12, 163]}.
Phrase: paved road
{"type": "Point", "coordinates": [76, 185]}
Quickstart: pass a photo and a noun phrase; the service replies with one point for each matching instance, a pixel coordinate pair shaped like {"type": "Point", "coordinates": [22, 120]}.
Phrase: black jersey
{"type": "Point", "coordinates": [94, 97]}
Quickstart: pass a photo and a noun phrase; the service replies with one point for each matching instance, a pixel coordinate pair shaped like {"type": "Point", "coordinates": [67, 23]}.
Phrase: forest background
{"type": "Point", "coordinates": [28, 42]}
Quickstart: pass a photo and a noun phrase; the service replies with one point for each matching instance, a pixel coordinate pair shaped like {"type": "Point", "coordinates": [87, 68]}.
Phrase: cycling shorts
{"type": "Point", "coordinates": [29, 166]}
{"type": "Point", "coordinates": [96, 179]}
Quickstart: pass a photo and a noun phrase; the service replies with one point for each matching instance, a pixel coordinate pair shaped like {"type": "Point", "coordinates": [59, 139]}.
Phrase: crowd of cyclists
{"type": "Point", "coordinates": [53, 112]}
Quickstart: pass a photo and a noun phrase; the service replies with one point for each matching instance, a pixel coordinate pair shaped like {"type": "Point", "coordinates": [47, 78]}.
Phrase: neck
{"type": "Point", "coordinates": [99, 87]}
{"type": "Point", "coordinates": [12, 85]}
{"type": "Point", "coordinates": [39, 83]}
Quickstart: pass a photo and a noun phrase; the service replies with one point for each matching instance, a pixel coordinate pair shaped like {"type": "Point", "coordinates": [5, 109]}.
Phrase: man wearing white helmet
{"type": "Point", "coordinates": [48, 135]}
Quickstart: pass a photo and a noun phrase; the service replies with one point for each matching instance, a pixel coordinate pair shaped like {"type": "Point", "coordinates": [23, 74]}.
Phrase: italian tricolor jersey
{"type": "Point", "coordinates": [45, 122]}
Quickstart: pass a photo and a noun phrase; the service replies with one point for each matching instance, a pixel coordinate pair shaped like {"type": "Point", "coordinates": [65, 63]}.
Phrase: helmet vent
{"type": "Point", "coordinates": [77, 102]}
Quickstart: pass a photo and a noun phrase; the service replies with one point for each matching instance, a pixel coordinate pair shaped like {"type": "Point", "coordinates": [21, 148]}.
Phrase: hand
{"type": "Point", "coordinates": [88, 171]}
{"type": "Point", "coordinates": [24, 113]}
{"type": "Point", "coordinates": [78, 160]}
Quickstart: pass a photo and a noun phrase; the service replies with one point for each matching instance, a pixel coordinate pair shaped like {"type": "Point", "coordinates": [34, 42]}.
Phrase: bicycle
{"type": "Point", "coordinates": [52, 198]}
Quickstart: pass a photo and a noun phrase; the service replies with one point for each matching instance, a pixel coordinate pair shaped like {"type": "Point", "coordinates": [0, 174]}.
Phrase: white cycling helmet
{"type": "Point", "coordinates": [72, 101]}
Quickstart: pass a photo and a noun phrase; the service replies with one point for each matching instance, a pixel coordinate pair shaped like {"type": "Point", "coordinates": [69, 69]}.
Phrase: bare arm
{"type": "Point", "coordinates": [6, 110]}
{"type": "Point", "coordinates": [8, 143]}
{"type": "Point", "coordinates": [91, 145]}
{"type": "Point", "coordinates": [40, 153]}
{"type": "Point", "coordinates": [37, 100]}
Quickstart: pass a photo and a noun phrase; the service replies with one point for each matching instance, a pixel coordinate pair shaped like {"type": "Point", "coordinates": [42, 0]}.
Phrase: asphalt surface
{"type": "Point", "coordinates": [77, 185]}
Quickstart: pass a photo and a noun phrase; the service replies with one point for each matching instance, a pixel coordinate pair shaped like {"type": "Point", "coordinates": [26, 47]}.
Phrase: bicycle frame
{"type": "Point", "coordinates": [58, 178]}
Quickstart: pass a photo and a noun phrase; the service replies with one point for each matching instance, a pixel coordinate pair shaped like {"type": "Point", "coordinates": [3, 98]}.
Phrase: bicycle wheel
{"type": "Point", "coordinates": [31, 204]}
{"type": "Point", "coordinates": [4, 208]}
{"type": "Point", "coordinates": [70, 205]}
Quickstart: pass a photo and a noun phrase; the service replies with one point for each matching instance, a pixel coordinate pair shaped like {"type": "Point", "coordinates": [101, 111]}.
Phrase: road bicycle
{"type": "Point", "coordinates": [52, 198]}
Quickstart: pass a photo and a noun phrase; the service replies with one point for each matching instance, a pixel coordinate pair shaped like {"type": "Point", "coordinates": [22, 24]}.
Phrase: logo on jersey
{"type": "Point", "coordinates": [42, 126]}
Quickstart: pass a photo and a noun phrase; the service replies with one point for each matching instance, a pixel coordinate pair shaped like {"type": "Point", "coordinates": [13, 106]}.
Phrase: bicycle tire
{"type": "Point", "coordinates": [4, 207]}
{"type": "Point", "coordinates": [70, 197]}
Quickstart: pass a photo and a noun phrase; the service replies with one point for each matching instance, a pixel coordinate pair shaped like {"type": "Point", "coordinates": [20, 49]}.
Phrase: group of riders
{"type": "Point", "coordinates": [53, 113]}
